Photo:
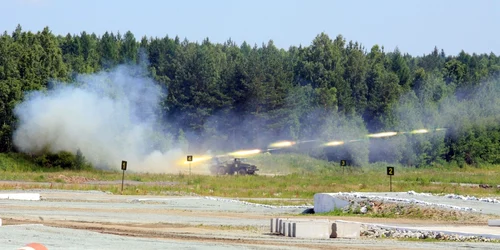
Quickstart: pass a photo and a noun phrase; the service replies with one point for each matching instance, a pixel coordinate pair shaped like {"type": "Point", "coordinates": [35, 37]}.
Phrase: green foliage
{"type": "Point", "coordinates": [62, 160]}
{"type": "Point", "coordinates": [79, 160]}
{"type": "Point", "coordinates": [16, 162]}
{"type": "Point", "coordinates": [332, 89]}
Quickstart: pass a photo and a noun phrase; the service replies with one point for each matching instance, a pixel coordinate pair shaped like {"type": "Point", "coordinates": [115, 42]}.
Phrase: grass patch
{"type": "Point", "coordinates": [17, 163]}
{"type": "Point", "coordinates": [304, 177]}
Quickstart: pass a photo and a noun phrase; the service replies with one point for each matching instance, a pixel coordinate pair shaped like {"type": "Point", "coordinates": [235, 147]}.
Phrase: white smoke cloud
{"type": "Point", "coordinates": [109, 116]}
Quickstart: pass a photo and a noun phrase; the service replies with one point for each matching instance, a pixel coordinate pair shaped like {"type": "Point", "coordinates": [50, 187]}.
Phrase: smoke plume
{"type": "Point", "coordinates": [110, 116]}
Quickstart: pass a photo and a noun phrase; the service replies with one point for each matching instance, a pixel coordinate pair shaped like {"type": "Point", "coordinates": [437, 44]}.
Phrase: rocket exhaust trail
{"type": "Point", "coordinates": [282, 144]}
{"type": "Point", "coordinates": [285, 144]}
{"type": "Point", "coordinates": [383, 134]}
{"type": "Point", "coordinates": [419, 131]}
{"type": "Point", "coordinates": [356, 140]}
{"type": "Point", "coordinates": [245, 152]}
{"type": "Point", "coordinates": [307, 141]}
{"type": "Point", "coordinates": [334, 143]}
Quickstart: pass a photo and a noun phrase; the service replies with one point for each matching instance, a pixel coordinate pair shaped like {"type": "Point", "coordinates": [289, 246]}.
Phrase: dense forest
{"type": "Point", "coordinates": [241, 95]}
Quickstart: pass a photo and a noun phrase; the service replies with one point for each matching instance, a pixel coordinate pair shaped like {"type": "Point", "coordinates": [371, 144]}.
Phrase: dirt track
{"type": "Point", "coordinates": [119, 222]}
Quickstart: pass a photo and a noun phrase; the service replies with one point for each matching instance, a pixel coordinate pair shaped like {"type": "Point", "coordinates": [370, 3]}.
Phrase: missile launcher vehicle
{"type": "Point", "coordinates": [231, 167]}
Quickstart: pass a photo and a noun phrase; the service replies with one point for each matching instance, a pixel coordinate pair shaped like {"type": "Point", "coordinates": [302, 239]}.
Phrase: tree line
{"type": "Point", "coordinates": [235, 96]}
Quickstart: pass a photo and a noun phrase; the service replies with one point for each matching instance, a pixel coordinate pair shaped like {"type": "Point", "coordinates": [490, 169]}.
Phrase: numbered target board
{"type": "Point", "coordinates": [390, 173]}
{"type": "Point", "coordinates": [390, 170]}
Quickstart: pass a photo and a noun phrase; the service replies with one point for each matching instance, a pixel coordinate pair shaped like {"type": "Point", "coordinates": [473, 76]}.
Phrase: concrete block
{"type": "Point", "coordinates": [285, 228]}
{"type": "Point", "coordinates": [21, 196]}
{"type": "Point", "coordinates": [276, 225]}
{"type": "Point", "coordinates": [494, 223]}
{"type": "Point", "coordinates": [280, 226]}
{"type": "Point", "coordinates": [312, 229]}
{"type": "Point", "coordinates": [346, 229]}
{"type": "Point", "coordinates": [326, 202]}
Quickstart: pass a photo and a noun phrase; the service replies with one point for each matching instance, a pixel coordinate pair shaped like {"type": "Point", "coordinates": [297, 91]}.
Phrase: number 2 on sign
{"type": "Point", "coordinates": [390, 170]}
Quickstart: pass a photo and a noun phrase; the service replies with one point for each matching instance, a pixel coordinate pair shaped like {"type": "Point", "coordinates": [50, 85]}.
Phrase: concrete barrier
{"type": "Point", "coordinates": [284, 228]}
{"type": "Point", "coordinates": [276, 228]}
{"type": "Point", "coordinates": [315, 228]}
{"type": "Point", "coordinates": [277, 223]}
{"type": "Point", "coordinates": [346, 229]}
{"type": "Point", "coordinates": [21, 196]}
{"type": "Point", "coordinates": [312, 229]}
{"type": "Point", "coordinates": [494, 223]}
{"type": "Point", "coordinates": [326, 202]}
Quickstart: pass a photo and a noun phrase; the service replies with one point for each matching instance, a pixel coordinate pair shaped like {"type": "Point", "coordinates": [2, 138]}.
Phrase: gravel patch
{"type": "Point", "coordinates": [379, 231]}
{"type": "Point", "coordinates": [360, 197]}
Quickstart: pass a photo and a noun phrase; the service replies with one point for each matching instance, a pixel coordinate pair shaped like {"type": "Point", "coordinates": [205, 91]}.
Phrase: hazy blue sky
{"type": "Point", "coordinates": [415, 26]}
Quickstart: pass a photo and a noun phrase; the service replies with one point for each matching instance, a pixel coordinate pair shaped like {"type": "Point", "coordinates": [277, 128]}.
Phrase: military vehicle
{"type": "Point", "coordinates": [231, 167]}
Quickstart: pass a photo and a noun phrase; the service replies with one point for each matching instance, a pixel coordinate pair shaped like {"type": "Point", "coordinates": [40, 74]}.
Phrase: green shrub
{"type": "Point", "coordinates": [62, 160]}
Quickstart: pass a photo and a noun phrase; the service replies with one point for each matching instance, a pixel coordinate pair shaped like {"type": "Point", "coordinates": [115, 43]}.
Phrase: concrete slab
{"type": "Point", "coordinates": [494, 223]}
{"type": "Point", "coordinates": [326, 202]}
{"type": "Point", "coordinates": [20, 196]}
{"type": "Point", "coordinates": [312, 230]}
{"type": "Point", "coordinates": [346, 229]}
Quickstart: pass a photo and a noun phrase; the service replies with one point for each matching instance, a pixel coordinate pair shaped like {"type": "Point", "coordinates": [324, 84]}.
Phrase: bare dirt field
{"type": "Point", "coordinates": [97, 220]}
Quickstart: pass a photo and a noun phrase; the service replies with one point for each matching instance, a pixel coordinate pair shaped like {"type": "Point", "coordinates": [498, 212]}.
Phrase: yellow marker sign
{"type": "Point", "coordinates": [124, 165]}
{"type": "Point", "coordinates": [390, 173]}
{"type": "Point", "coordinates": [189, 158]}
{"type": "Point", "coordinates": [390, 170]}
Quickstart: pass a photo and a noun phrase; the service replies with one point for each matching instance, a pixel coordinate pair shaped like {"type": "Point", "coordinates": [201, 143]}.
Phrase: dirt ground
{"type": "Point", "coordinates": [178, 222]}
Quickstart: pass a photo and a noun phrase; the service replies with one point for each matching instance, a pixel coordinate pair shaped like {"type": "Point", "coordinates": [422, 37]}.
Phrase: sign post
{"type": "Point", "coordinates": [343, 163]}
{"type": "Point", "coordinates": [189, 159]}
{"type": "Point", "coordinates": [124, 167]}
{"type": "Point", "coordinates": [390, 173]}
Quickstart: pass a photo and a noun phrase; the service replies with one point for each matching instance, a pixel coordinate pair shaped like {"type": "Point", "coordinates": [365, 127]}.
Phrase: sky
{"type": "Point", "coordinates": [414, 26]}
